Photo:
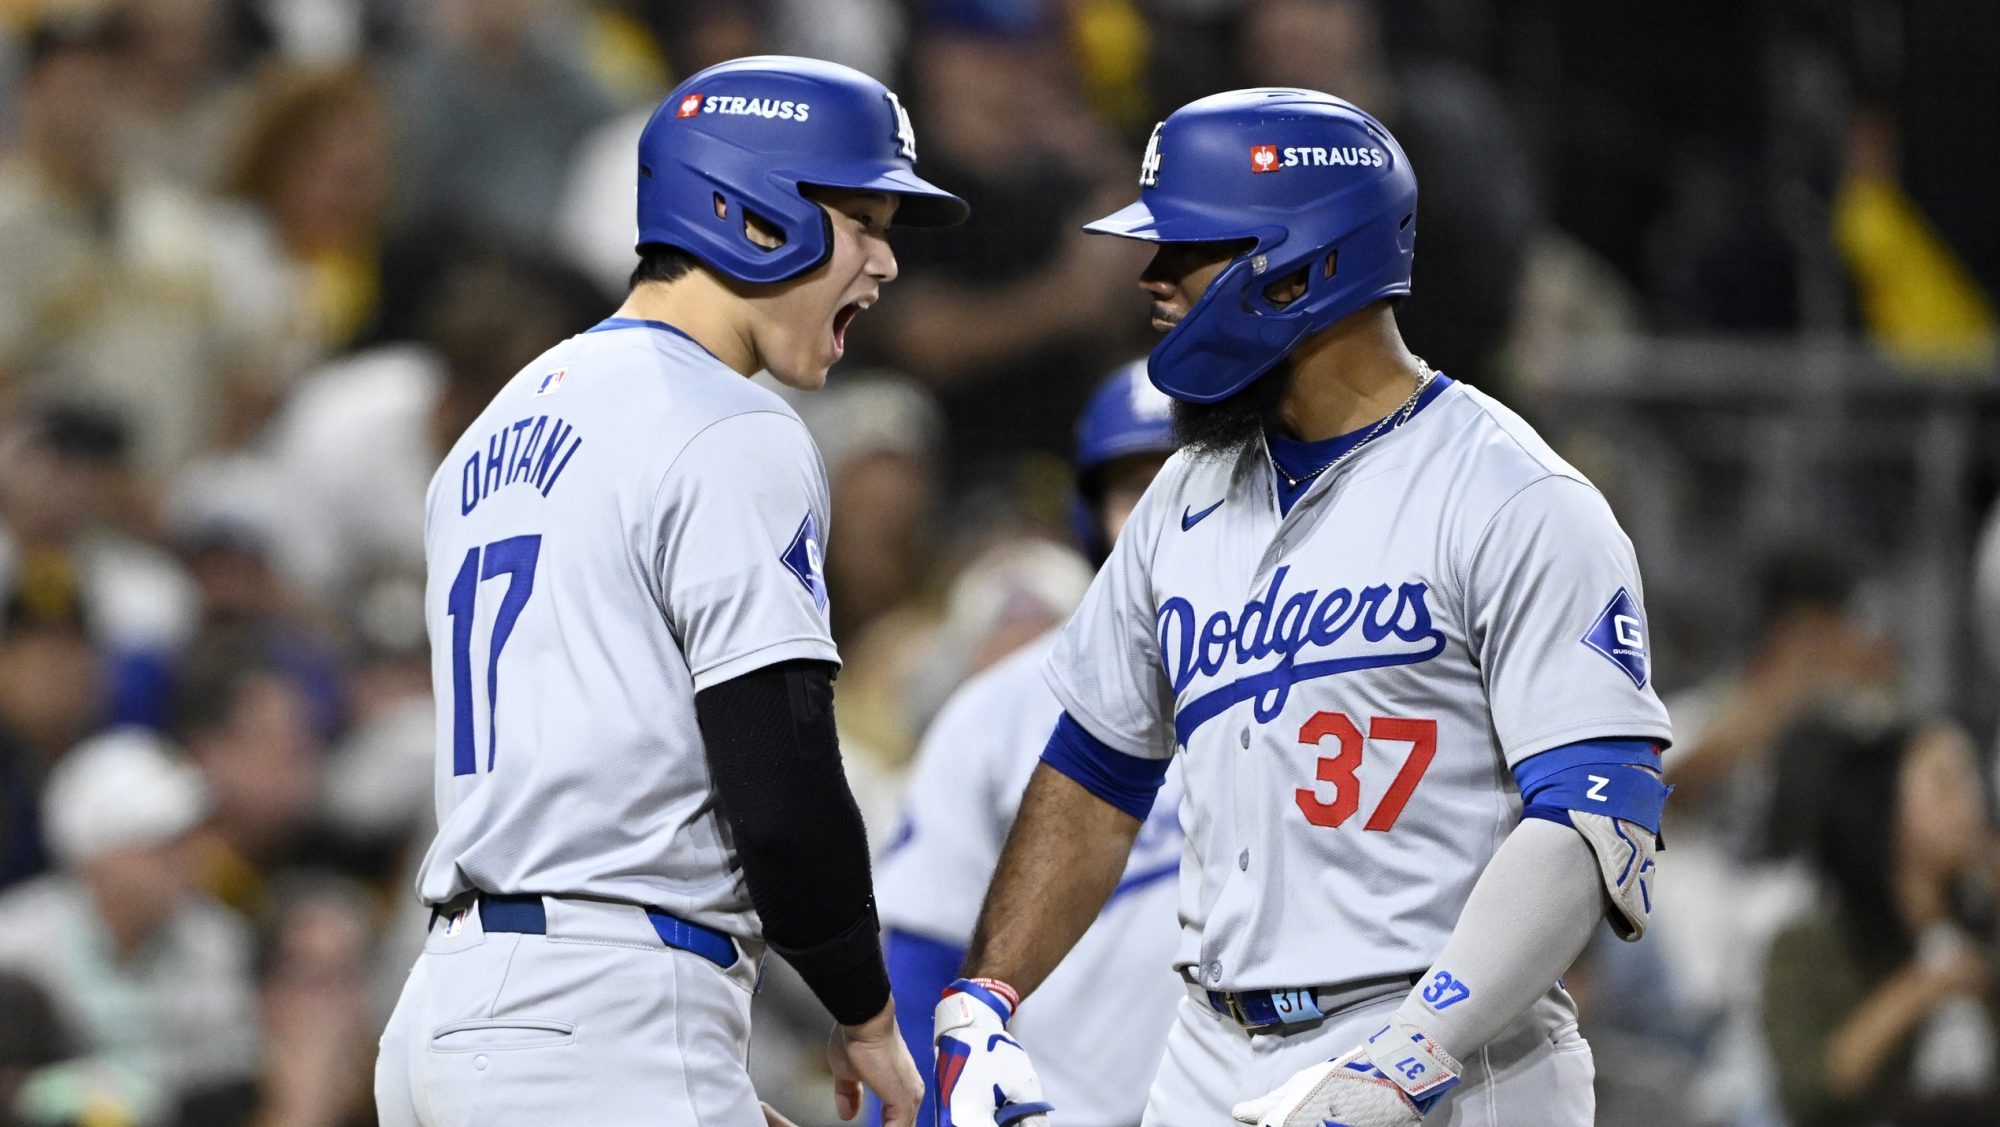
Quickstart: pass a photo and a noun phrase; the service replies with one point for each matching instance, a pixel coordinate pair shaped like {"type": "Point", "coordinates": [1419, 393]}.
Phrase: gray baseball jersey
{"type": "Point", "coordinates": [1350, 682]}
{"type": "Point", "coordinates": [1097, 1027]}
{"type": "Point", "coordinates": [629, 522]}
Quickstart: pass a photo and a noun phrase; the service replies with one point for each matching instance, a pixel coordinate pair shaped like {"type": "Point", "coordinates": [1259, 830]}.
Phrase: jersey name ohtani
{"type": "Point", "coordinates": [1308, 624]}
{"type": "Point", "coordinates": [533, 449]}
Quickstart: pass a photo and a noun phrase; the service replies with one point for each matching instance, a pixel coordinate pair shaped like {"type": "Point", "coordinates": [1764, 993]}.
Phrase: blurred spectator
{"type": "Point", "coordinates": [48, 700]}
{"type": "Point", "coordinates": [1880, 1007]}
{"type": "Point", "coordinates": [1919, 303]}
{"type": "Point", "coordinates": [247, 724]}
{"type": "Point", "coordinates": [69, 501]}
{"type": "Point", "coordinates": [868, 35]}
{"type": "Point", "coordinates": [488, 113]}
{"type": "Point", "coordinates": [118, 289]}
{"type": "Point", "coordinates": [1478, 207]}
{"type": "Point", "coordinates": [318, 1026]}
{"type": "Point", "coordinates": [314, 168]}
{"type": "Point", "coordinates": [1808, 652]}
{"type": "Point", "coordinates": [697, 34]}
{"type": "Point", "coordinates": [152, 977]}
{"type": "Point", "coordinates": [354, 450]}
{"type": "Point", "coordinates": [1726, 895]}
{"type": "Point", "coordinates": [32, 1038]}
{"type": "Point", "coordinates": [879, 435]}
{"type": "Point", "coordinates": [186, 110]}
{"type": "Point", "coordinates": [243, 606]}
{"type": "Point", "coordinates": [1196, 48]}
{"type": "Point", "coordinates": [1001, 313]}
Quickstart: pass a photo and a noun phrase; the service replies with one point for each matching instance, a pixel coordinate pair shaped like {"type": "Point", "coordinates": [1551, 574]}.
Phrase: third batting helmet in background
{"type": "Point", "coordinates": [1307, 182]}
{"type": "Point", "coordinates": [1126, 415]}
{"type": "Point", "coordinates": [749, 133]}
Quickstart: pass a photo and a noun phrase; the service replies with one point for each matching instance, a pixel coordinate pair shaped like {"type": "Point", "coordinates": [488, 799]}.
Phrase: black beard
{"type": "Point", "coordinates": [1223, 427]}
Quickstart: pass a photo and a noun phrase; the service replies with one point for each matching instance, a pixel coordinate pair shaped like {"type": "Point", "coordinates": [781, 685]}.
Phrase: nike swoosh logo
{"type": "Point", "coordinates": [1190, 519]}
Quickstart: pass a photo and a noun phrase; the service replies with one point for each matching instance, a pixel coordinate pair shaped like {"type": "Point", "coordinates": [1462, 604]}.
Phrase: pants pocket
{"type": "Point", "coordinates": [1566, 1038]}
{"type": "Point", "coordinates": [501, 1033]}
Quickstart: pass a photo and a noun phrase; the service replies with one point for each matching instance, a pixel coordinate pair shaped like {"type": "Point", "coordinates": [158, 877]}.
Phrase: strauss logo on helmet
{"type": "Point", "coordinates": [1263, 158]}
{"type": "Point", "coordinates": [690, 106]}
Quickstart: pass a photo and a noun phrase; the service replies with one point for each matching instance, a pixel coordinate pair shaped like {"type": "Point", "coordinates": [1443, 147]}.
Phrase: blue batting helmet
{"type": "Point", "coordinates": [1126, 415]}
{"type": "Point", "coordinates": [1309, 182]}
{"type": "Point", "coordinates": [745, 135]}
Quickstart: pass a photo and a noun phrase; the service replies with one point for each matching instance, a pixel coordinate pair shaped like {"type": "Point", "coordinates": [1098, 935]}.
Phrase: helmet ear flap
{"type": "Point", "coordinates": [766, 237]}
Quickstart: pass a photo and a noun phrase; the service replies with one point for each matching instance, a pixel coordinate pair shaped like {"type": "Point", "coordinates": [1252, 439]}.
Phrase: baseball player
{"type": "Point", "coordinates": [1100, 1022]}
{"type": "Point", "coordinates": [1400, 646]}
{"type": "Point", "coordinates": [638, 785]}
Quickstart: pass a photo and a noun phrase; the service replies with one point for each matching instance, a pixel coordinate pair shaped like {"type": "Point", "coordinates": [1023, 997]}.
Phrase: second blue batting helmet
{"type": "Point", "coordinates": [1126, 415]}
{"type": "Point", "coordinates": [746, 135]}
{"type": "Point", "coordinates": [1308, 183]}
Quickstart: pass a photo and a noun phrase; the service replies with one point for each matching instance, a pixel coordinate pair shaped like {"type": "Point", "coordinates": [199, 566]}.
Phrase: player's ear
{"type": "Point", "coordinates": [759, 230]}
{"type": "Point", "coordinates": [762, 231]}
{"type": "Point", "coordinates": [1287, 289]}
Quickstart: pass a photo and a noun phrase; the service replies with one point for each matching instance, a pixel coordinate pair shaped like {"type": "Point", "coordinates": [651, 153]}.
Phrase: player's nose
{"type": "Point", "coordinates": [881, 261]}
{"type": "Point", "coordinates": [1159, 289]}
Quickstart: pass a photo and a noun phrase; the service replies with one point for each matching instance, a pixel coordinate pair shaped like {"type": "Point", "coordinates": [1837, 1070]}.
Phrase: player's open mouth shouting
{"type": "Point", "coordinates": [844, 317]}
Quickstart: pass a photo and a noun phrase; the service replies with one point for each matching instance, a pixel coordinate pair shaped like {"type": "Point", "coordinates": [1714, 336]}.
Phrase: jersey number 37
{"type": "Point", "coordinates": [1339, 769]}
{"type": "Point", "coordinates": [514, 558]}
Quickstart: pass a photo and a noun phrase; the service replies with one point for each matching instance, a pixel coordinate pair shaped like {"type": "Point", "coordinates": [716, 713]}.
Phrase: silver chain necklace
{"type": "Point", "coordinates": [1401, 415]}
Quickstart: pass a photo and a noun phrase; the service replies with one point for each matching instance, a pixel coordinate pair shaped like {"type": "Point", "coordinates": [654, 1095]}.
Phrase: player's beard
{"type": "Point", "coordinates": [1223, 427]}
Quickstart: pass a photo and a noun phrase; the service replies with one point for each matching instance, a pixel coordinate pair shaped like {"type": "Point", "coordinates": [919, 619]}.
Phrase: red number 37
{"type": "Point", "coordinates": [1339, 768]}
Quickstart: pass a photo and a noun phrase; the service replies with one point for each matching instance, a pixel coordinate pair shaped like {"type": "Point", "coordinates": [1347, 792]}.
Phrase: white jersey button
{"type": "Point", "coordinates": [1243, 860]}
{"type": "Point", "coordinates": [1244, 737]}
{"type": "Point", "coordinates": [1215, 972]}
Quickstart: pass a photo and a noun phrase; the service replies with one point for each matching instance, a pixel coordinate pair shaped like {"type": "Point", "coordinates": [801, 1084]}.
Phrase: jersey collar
{"type": "Point", "coordinates": [610, 323]}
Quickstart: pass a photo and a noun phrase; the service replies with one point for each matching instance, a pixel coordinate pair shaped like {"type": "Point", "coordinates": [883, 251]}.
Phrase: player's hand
{"type": "Point", "coordinates": [983, 1075]}
{"type": "Point", "coordinates": [1354, 1090]}
{"type": "Point", "coordinates": [873, 1055]}
{"type": "Point", "coordinates": [1347, 1091]}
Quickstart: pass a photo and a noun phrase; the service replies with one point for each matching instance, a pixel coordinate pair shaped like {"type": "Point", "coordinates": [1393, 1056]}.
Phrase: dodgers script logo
{"type": "Point", "coordinates": [1305, 625]}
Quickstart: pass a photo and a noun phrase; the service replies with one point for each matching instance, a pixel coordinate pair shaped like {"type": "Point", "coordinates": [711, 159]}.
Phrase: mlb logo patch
{"type": "Point", "coordinates": [1620, 635]}
{"type": "Point", "coordinates": [1263, 158]}
{"type": "Point", "coordinates": [690, 106]}
{"type": "Point", "coordinates": [804, 558]}
{"type": "Point", "coordinates": [552, 382]}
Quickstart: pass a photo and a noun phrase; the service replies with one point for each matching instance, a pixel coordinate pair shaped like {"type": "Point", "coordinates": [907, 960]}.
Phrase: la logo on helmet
{"type": "Point", "coordinates": [1149, 166]}
{"type": "Point", "coordinates": [906, 137]}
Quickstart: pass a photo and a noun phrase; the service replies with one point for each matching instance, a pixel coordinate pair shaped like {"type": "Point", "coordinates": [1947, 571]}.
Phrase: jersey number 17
{"type": "Point", "coordinates": [515, 558]}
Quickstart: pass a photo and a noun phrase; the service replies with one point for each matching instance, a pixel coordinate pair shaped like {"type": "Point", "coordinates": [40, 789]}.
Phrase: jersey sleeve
{"type": "Point", "coordinates": [1105, 669]}
{"type": "Point", "coordinates": [742, 516]}
{"type": "Point", "coordinates": [1558, 623]}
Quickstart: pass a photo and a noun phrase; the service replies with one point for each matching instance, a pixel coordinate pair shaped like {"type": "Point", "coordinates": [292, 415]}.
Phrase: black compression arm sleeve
{"type": "Point", "coordinates": [776, 764]}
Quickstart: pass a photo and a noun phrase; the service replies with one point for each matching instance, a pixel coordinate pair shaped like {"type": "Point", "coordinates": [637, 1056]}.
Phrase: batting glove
{"type": "Point", "coordinates": [1390, 1081]}
{"type": "Point", "coordinates": [983, 1075]}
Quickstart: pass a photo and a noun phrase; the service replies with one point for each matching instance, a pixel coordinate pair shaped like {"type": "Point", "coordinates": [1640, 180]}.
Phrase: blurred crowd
{"type": "Point", "coordinates": [262, 260]}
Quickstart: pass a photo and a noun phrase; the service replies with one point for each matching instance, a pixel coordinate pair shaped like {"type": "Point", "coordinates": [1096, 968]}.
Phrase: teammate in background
{"type": "Point", "coordinates": [625, 553]}
{"type": "Point", "coordinates": [1400, 644]}
{"type": "Point", "coordinates": [1101, 1020]}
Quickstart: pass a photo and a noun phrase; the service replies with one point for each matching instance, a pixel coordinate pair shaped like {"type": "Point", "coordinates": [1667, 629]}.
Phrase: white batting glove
{"type": "Point", "coordinates": [983, 1075]}
{"type": "Point", "coordinates": [1390, 1081]}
